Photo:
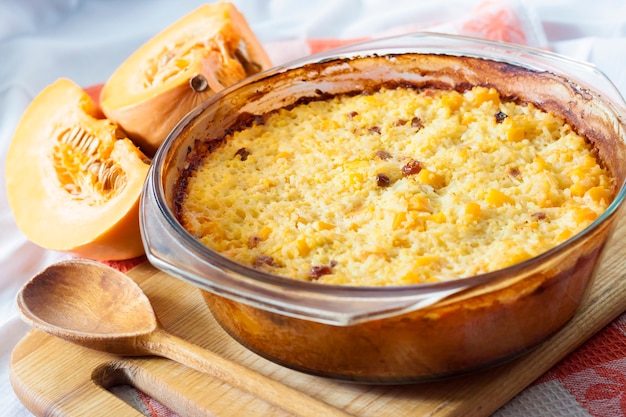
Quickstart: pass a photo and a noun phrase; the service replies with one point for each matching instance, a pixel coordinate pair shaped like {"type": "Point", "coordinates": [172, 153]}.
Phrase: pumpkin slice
{"type": "Point", "coordinates": [209, 49]}
{"type": "Point", "coordinates": [73, 179]}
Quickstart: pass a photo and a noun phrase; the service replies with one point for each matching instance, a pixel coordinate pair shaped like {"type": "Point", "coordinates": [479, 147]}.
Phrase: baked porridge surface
{"type": "Point", "coordinates": [396, 187]}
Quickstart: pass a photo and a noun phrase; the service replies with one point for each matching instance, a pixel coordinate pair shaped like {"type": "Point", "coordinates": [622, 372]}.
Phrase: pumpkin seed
{"type": "Point", "coordinates": [250, 67]}
{"type": "Point", "coordinates": [93, 147]}
{"type": "Point", "coordinates": [198, 83]}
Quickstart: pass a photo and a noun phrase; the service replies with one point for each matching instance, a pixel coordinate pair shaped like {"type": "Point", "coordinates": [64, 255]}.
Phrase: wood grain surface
{"type": "Point", "coordinates": [56, 378]}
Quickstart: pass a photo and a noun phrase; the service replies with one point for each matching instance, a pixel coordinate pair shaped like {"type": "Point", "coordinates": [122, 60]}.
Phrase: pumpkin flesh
{"type": "Point", "coordinates": [206, 51]}
{"type": "Point", "coordinates": [73, 179]}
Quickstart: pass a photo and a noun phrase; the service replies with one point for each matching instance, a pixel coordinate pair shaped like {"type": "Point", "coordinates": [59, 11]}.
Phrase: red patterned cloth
{"type": "Point", "coordinates": [595, 374]}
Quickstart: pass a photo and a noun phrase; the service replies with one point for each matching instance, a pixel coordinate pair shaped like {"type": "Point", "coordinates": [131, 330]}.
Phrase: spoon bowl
{"type": "Point", "coordinates": [89, 304]}
{"type": "Point", "coordinates": [98, 307]}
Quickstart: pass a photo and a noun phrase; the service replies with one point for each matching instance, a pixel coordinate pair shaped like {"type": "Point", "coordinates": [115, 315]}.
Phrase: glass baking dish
{"type": "Point", "coordinates": [405, 333]}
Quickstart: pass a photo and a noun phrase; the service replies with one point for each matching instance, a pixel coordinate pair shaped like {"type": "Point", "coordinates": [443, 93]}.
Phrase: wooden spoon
{"type": "Point", "coordinates": [98, 307]}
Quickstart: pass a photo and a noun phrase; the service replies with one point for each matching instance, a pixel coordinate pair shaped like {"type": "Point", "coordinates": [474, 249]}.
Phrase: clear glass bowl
{"type": "Point", "coordinates": [409, 333]}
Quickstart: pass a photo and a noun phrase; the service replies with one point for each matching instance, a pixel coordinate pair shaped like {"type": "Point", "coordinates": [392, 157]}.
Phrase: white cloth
{"type": "Point", "coordinates": [85, 40]}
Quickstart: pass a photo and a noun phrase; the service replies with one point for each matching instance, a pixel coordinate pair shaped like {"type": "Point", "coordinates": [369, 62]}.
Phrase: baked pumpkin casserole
{"type": "Point", "coordinates": [396, 186]}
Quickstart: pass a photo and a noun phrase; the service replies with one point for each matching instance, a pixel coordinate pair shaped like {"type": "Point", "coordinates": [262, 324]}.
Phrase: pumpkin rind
{"type": "Point", "coordinates": [73, 179]}
{"type": "Point", "coordinates": [158, 84]}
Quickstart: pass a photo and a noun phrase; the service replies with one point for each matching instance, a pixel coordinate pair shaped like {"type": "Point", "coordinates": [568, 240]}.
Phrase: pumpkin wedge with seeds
{"type": "Point", "coordinates": [204, 52]}
{"type": "Point", "coordinates": [73, 178]}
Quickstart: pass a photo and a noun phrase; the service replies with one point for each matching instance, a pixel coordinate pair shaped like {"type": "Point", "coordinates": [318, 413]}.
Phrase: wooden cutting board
{"type": "Point", "coordinates": [55, 378]}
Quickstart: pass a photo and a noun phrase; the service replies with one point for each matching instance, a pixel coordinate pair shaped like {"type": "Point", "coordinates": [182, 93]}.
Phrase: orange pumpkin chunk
{"type": "Point", "coordinates": [73, 179]}
{"type": "Point", "coordinates": [204, 52]}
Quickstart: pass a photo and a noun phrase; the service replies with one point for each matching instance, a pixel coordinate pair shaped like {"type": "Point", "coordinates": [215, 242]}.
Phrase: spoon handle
{"type": "Point", "coordinates": [165, 344]}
